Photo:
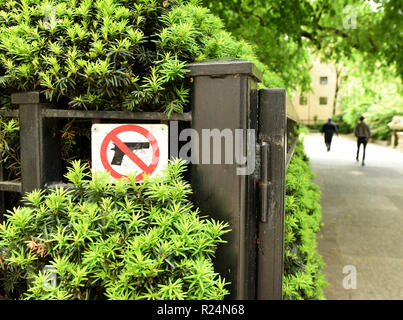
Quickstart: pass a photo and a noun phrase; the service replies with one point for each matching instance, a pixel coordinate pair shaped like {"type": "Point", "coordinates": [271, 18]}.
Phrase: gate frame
{"type": "Point", "coordinates": [224, 95]}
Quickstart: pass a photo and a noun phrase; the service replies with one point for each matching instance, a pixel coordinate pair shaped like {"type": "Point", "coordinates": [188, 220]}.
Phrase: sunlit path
{"type": "Point", "coordinates": [363, 217]}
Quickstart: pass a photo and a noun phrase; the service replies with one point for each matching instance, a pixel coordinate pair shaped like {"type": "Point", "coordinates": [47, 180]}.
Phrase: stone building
{"type": "Point", "coordinates": [318, 104]}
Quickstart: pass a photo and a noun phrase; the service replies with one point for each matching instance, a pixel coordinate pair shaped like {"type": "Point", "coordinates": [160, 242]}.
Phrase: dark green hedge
{"type": "Point", "coordinates": [303, 266]}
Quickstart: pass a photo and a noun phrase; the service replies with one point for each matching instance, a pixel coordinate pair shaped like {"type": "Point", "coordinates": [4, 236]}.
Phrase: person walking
{"type": "Point", "coordinates": [329, 128]}
{"type": "Point", "coordinates": [362, 132]}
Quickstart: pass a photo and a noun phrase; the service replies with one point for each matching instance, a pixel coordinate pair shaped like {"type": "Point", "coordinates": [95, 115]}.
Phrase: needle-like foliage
{"type": "Point", "coordinates": [303, 266]}
{"type": "Point", "coordinates": [111, 240]}
{"type": "Point", "coordinates": [109, 54]}
{"type": "Point", "coordinates": [100, 54]}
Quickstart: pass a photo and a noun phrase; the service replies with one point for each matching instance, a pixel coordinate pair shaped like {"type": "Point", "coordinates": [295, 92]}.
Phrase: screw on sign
{"type": "Point", "coordinates": [128, 149]}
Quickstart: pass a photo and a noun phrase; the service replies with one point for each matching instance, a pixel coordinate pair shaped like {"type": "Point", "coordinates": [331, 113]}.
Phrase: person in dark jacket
{"type": "Point", "coordinates": [328, 129]}
{"type": "Point", "coordinates": [362, 132]}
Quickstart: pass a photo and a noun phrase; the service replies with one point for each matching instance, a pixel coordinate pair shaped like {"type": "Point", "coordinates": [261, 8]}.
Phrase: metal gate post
{"type": "Point", "coordinates": [272, 131]}
{"type": "Point", "coordinates": [225, 97]}
{"type": "Point", "coordinates": [39, 143]}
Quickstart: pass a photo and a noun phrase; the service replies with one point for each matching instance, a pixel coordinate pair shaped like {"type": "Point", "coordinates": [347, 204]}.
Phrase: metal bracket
{"type": "Point", "coordinates": [258, 161]}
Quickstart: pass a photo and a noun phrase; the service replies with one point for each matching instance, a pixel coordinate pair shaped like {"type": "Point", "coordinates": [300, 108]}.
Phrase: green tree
{"type": "Point", "coordinates": [284, 31]}
{"type": "Point", "coordinates": [376, 94]}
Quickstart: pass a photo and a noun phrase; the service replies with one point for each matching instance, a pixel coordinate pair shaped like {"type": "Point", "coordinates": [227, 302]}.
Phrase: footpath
{"type": "Point", "coordinates": [362, 212]}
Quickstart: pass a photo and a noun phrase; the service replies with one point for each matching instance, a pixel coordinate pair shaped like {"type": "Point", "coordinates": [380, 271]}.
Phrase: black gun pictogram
{"type": "Point", "coordinates": [118, 156]}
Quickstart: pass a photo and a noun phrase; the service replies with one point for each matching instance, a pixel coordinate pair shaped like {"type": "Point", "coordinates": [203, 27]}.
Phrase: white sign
{"type": "Point", "coordinates": [123, 149]}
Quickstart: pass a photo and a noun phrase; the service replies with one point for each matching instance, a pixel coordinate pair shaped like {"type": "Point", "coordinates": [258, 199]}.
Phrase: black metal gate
{"type": "Point", "coordinates": [225, 95]}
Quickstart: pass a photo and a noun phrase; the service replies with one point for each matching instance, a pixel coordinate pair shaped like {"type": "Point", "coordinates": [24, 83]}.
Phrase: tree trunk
{"type": "Point", "coordinates": [336, 91]}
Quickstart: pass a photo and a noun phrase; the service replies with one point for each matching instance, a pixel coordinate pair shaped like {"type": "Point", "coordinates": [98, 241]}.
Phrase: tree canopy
{"type": "Point", "coordinates": [284, 32]}
{"type": "Point", "coordinates": [378, 98]}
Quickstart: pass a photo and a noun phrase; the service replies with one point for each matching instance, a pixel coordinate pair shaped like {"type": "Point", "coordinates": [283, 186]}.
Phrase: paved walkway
{"type": "Point", "coordinates": [363, 218]}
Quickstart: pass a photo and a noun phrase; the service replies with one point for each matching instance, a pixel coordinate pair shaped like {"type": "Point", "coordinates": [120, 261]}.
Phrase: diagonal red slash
{"type": "Point", "coordinates": [120, 144]}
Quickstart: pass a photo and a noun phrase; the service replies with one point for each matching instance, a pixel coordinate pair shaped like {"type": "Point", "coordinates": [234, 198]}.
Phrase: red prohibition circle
{"type": "Point", "coordinates": [112, 137]}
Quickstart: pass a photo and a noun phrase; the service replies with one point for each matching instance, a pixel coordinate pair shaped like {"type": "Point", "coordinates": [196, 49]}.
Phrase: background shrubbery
{"type": "Point", "coordinates": [342, 125]}
{"type": "Point", "coordinates": [375, 94]}
{"type": "Point", "coordinates": [379, 120]}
